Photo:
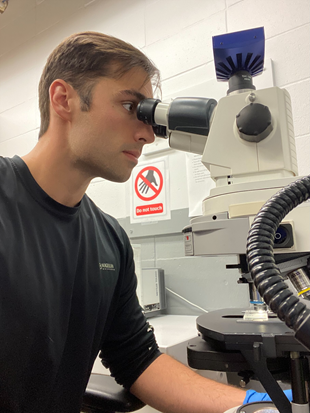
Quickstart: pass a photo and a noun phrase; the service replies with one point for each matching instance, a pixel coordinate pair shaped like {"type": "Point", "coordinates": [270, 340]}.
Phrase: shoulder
{"type": "Point", "coordinates": [11, 168]}
{"type": "Point", "coordinates": [108, 231]}
{"type": "Point", "coordinates": [105, 220]}
{"type": "Point", "coordinates": [5, 164]}
{"type": "Point", "coordinates": [7, 173]}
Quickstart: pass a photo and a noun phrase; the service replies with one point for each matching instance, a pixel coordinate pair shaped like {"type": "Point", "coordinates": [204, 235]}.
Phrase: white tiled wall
{"type": "Point", "coordinates": [175, 34]}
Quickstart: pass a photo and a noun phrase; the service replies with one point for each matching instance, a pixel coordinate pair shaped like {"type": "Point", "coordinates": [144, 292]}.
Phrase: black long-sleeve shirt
{"type": "Point", "coordinates": [67, 291]}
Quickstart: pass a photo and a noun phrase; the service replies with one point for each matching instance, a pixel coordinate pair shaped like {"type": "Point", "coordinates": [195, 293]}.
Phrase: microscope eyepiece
{"type": "Point", "coordinates": [183, 117]}
{"type": "Point", "coordinates": [146, 111]}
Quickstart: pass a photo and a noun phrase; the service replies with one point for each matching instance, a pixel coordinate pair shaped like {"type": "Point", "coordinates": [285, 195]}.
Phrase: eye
{"type": "Point", "coordinates": [130, 106]}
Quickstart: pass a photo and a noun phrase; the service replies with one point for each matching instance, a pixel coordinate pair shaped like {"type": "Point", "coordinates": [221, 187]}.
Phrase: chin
{"type": "Point", "coordinates": [118, 177]}
{"type": "Point", "coordinates": [113, 175]}
{"type": "Point", "coordinates": [123, 179]}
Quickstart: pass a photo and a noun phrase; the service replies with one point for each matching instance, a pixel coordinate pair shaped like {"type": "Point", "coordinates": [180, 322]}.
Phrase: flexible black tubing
{"type": "Point", "coordinates": [264, 271]}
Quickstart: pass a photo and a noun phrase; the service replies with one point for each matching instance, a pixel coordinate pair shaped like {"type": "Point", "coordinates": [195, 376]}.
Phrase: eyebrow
{"type": "Point", "coordinates": [132, 92]}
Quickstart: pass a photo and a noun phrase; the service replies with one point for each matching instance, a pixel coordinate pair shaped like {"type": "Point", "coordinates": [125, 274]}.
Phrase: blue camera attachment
{"type": "Point", "coordinates": [239, 51]}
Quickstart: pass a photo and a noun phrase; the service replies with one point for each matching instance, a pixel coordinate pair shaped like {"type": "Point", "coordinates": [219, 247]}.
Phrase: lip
{"type": "Point", "coordinates": [134, 155]}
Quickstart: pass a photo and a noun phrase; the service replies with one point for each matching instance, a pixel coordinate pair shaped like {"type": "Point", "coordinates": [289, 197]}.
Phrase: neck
{"type": "Point", "coordinates": [55, 172]}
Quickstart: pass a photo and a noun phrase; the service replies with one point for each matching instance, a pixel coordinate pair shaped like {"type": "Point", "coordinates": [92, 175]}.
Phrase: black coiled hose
{"type": "Point", "coordinates": [265, 273]}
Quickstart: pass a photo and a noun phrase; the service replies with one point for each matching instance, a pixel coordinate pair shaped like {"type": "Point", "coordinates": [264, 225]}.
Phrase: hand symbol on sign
{"type": "Point", "coordinates": [151, 179]}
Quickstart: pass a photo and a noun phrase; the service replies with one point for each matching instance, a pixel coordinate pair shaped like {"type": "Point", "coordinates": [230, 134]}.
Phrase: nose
{"type": "Point", "coordinates": [145, 133]}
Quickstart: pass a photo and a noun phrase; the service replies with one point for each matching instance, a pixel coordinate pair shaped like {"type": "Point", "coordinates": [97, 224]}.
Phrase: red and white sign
{"type": "Point", "coordinates": [149, 209]}
{"type": "Point", "coordinates": [149, 196]}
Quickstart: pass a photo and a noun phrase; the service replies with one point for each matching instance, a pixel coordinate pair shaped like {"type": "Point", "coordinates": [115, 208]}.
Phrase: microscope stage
{"type": "Point", "coordinates": [225, 336]}
{"type": "Point", "coordinates": [228, 328]}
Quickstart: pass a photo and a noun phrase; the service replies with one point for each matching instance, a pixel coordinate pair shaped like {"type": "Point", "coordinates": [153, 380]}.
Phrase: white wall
{"type": "Point", "coordinates": [175, 34]}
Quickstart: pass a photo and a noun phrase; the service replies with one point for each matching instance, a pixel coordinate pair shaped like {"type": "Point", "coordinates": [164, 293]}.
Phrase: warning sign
{"type": "Point", "coordinates": [149, 195]}
{"type": "Point", "coordinates": [151, 209]}
{"type": "Point", "coordinates": [149, 183]}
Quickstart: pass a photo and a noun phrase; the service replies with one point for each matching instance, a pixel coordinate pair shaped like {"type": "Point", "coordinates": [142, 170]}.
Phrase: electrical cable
{"type": "Point", "coordinates": [265, 273]}
{"type": "Point", "coordinates": [187, 301]}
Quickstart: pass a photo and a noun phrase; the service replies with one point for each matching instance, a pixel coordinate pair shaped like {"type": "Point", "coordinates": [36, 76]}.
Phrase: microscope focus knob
{"type": "Point", "coordinates": [254, 122]}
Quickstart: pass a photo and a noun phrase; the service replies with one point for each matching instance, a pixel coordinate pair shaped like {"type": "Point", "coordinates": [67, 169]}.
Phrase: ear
{"type": "Point", "coordinates": [62, 99]}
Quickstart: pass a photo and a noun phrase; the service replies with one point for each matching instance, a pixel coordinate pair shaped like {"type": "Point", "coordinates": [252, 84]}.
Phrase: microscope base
{"type": "Point", "coordinates": [261, 349]}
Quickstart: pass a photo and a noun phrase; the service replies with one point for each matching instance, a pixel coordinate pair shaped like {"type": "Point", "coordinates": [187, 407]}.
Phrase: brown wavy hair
{"type": "Point", "coordinates": [83, 58]}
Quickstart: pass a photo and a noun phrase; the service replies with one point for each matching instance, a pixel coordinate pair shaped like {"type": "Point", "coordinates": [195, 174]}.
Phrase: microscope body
{"type": "Point", "coordinates": [246, 173]}
{"type": "Point", "coordinates": [247, 143]}
{"type": "Point", "coordinates": [234, 157]}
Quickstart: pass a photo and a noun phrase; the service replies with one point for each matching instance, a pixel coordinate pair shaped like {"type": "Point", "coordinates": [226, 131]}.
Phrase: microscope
{"type": "Point", "coordinates": [257, 212]}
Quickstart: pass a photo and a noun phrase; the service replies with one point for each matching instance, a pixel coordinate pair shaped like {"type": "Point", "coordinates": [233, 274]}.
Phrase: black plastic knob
{"type": "Point", "coordinates": [254, 122]}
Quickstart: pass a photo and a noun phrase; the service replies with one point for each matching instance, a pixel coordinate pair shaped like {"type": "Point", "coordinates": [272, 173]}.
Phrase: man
{"type": "Point", "coordinates": [67, 273]}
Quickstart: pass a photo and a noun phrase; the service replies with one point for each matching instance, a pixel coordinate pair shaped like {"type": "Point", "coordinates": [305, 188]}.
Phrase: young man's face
{"type": "Point", "coordinates": [107, 140]}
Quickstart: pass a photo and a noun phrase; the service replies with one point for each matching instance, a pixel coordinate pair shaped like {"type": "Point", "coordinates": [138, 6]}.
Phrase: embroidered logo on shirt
{"type": "Point", "coordinates": [105, 266]}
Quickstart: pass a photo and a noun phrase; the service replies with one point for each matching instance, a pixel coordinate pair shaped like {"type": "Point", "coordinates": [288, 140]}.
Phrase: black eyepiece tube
{"type": "Point", "coordinates": [160, 131]}
{"type": "Point", "coordinates": [145, 113]}
{"type": "Point", "coordinates": [191, 115]}
{"type": "Point", "coordinates": [146, 110]}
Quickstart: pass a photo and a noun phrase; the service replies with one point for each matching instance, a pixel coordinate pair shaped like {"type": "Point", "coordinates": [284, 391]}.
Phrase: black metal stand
{"type": "Point", "coordinates": [228, 343]}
